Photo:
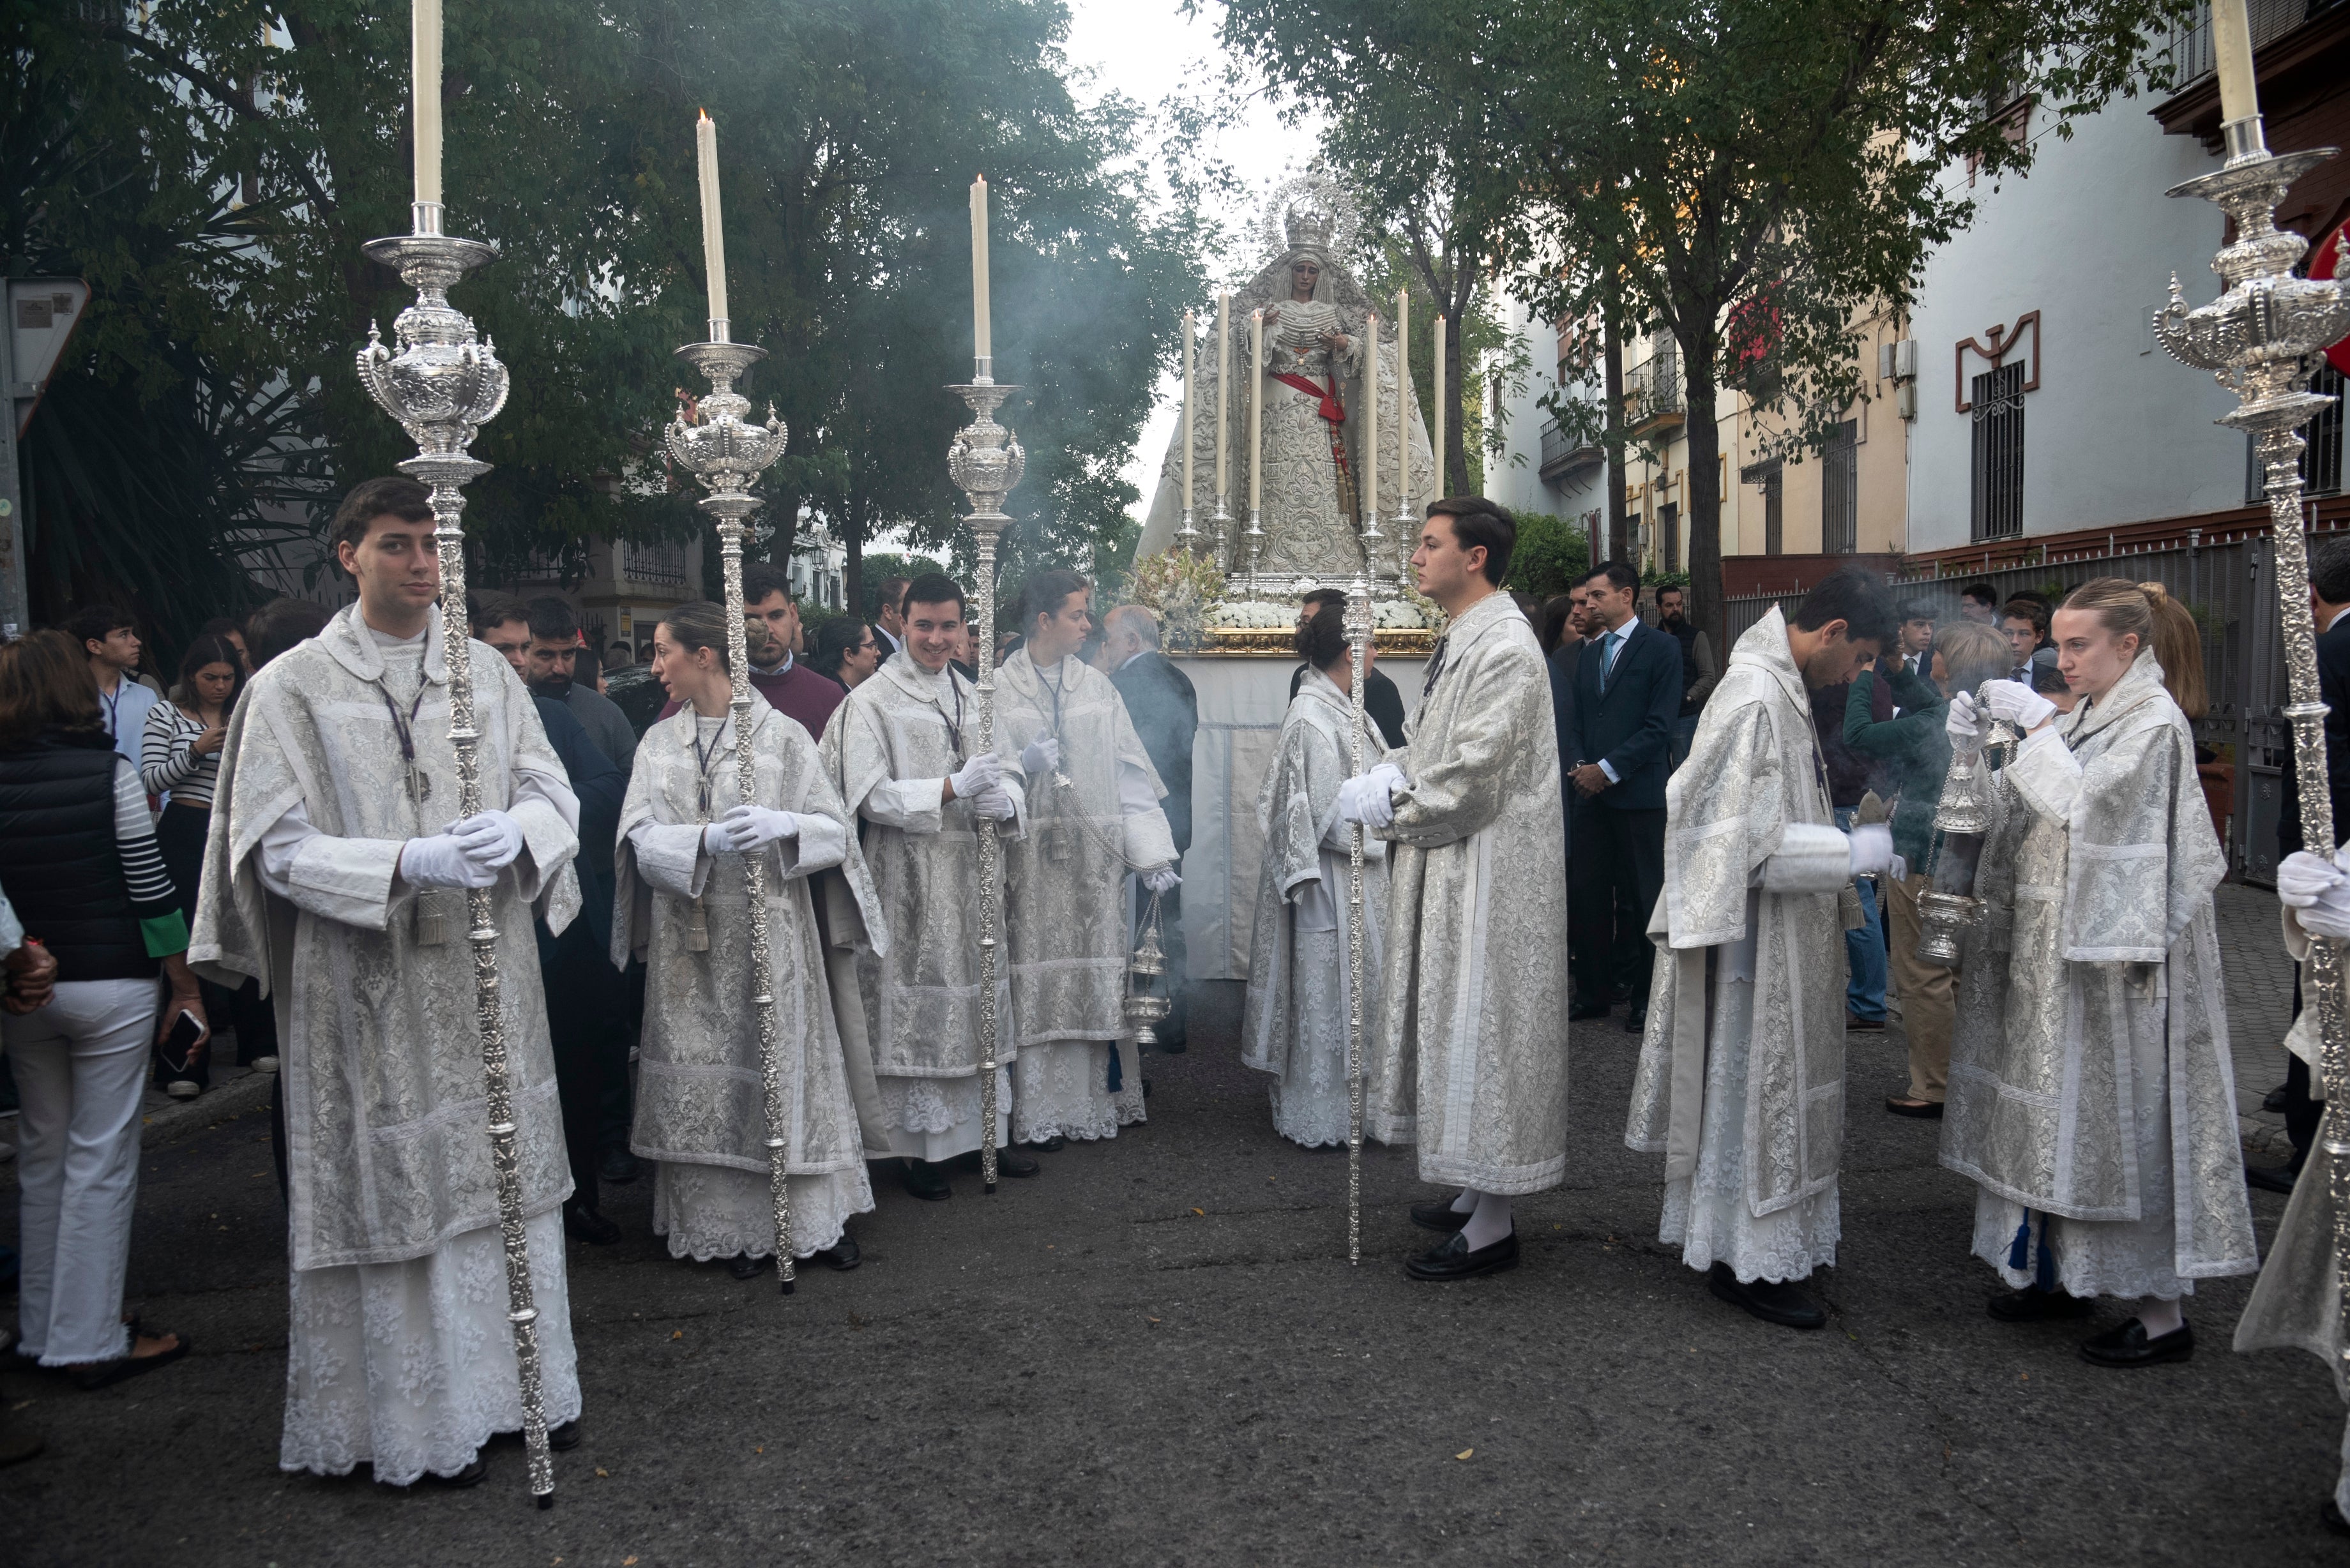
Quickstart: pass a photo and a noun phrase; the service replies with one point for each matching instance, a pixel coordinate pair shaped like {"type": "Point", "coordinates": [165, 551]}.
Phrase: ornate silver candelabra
{"type": "Point", "coordinates": [2260, 338]}
{"type": "Point", "coordinates": [443, 385]}
{"type": "Point", "coordinates": [985, 462]}
{"type": "Point", "coordinates": [727, 453]}
{"type": "Point", "coordinates": [1358, 637]}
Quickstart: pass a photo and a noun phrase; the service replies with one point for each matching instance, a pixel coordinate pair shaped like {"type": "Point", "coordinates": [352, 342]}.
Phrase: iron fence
{"type": "Point", "coordinates": [2231, 590]}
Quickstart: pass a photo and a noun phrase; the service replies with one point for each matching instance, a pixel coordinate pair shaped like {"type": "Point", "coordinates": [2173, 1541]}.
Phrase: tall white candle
{"type": "Point", "coordinates": [1256, 411]}
{"type": "Point", "coordinates": [1404, 398]}
{"type": "Point", "coordinates": [1224, 379]}
{"type": "Point", "coordinates": [1437, 435]}
{"type": "Point", "coordinates": [425, 67]}
{"type": "Point", "coordinates": [1186, 413]}
{"type": "Point", "coordinates": [1371, 423]}
{"type": "Point", "coordinates": [2231, 47]}
{"type": "Point", "coordinates": [982, 328]}
{"type": "Point", "coordinates": [713, 228]}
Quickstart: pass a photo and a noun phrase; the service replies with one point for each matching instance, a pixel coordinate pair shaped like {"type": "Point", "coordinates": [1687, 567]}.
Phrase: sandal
{"type": "Point", "coordinates": [106, 1373]}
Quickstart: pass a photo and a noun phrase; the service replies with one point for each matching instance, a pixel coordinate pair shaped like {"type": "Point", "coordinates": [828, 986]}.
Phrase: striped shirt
{"type": "Point", "coordinates": [152, 897]}
{"type": "Point", "coordinates": [169, 761]}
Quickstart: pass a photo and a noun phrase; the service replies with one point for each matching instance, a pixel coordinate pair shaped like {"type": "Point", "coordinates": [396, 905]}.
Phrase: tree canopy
{"type": "Point", "coordinates": [213, 172]}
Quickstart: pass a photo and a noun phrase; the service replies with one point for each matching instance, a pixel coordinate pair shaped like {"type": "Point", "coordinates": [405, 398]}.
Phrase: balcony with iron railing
{"type": "Point", "coordinates": [1652, 395]}
{"type": "Point", "coordinates": [2191, 57]}
{"type": "Point", "coordinates": [1564, 456]}
{"type": "Point", "coordinates": [657, 565]}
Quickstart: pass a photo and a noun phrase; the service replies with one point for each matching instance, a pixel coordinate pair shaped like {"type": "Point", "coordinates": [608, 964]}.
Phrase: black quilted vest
{"type": "Point", "coordinates": [58, 864]}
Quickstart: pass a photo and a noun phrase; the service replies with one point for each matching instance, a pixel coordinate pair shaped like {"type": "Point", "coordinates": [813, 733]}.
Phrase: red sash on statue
{"type": "Point", "coordinates": [1329, 408]}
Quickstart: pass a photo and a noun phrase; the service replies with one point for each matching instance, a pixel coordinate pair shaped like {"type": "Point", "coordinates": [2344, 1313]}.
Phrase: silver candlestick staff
{"type": "Point", "coordinates": [726, 452]}
{"type": "Point", "coordinates": [1358, 637]}
{"type": "Point", "coordinates": [985, 462]}
{"type": "Point", "coordinates": [2262, 338]}
{"type": "Point", "coordinates": [443, 385]}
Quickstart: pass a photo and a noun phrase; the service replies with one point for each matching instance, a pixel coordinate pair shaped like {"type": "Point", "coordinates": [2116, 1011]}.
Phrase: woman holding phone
{"type": "Point", "coordinates": [79, 857]}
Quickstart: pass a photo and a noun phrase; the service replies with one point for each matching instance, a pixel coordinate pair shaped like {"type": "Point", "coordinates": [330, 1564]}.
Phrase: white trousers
{"type": "Point", "coordinates": [80, 1064]}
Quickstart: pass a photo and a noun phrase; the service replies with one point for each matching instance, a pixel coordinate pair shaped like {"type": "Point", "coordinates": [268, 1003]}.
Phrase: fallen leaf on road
{"type": "Point", "coordinates": [1465, 1453]}
{"type": "Point", "coordinates": [1201, 1212]}
{"type": "Point", "coordinates": [677, 1333]}
{"type": "Point", "coordinates": [760, 1449]}
{"type": "Point", "coordinates": [608, 1475]}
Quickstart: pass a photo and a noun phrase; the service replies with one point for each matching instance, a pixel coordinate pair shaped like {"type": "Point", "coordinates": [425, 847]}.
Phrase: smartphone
{"type": "Point", "coordinates": [180, 1043]}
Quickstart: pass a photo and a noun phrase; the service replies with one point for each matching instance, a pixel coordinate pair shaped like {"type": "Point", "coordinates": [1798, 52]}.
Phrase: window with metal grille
{"type": "Point", "coordinates": [2321, 459]}
{"type": "Point", "coordinates": [1998, 496]}
{"type": "Point", "coordinates": [1840, 491]}
{"type": "Point", "coordinates": [1669, 525]}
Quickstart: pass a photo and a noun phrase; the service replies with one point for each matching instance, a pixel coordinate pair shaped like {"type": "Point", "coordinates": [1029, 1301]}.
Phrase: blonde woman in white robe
{"type": "Point", "coordinates": [1295, 1024]}
{"type": "Point", "coordinates": [685, 839]}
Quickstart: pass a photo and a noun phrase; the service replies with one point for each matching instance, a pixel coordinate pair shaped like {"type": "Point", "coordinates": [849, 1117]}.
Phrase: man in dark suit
{"type": "Point", "coordinates": [1628, 691]}
{"type": "Point", "coordinates": [1381, 700]}
{"type": "Point", "coordinates": [2329, 601]}
{"type": "Point", "coordinates": [1165, 713]}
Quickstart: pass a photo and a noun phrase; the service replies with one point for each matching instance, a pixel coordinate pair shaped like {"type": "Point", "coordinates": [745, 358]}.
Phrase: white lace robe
{"type": "Point", "coordinates": [700, 1096]}
{"type": "Point", "coordinates": [889, 750]}
{"type": "Point", "coordinates": [1469, 1061]}
{"type": "Point", "coordinates": [1066, 896]}
{"type": "Point", "coordinates": [1741, 1084]}
{"type": "Point", "coordinates": [2090, 1078]}
{"type": "Point", "coordinates": [1294, 1024]}
{"type": "Point", "coordinates": [398, 1351]}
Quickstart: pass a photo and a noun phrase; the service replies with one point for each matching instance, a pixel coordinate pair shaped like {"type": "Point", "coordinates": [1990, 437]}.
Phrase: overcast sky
{"type": "Point", "coordinates": [1146, 50]}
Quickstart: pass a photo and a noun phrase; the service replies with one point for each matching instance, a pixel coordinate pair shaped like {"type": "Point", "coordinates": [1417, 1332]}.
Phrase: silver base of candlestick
{"type": "Point", "coordinates": [443, 384]}
{"type": "Point", "coordinates": [1222, 524]}
{"type": "Point", "coordinates": [987, 463]}
{"type": "Point", "coordinates": [2262, 338]}
{"type": "Point", "coordinates": [727, 453]}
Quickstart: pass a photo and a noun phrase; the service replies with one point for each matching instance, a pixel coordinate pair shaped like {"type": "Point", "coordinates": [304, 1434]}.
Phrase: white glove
{"type": "Point", "coordinates": [1162, 879]}
{"type": "Point", "coordinates": [1964, 725]}
{"type": "Point", "coordinates": [977, 776]}
{"type": "Point", "coordinates": [2301, 878]}
{"type": "Point", "coordinates": [1900, 869]}
{"type": "Point", "coordinates": [754, 828]}
{"type": "Point", "coordinates": [1872, 848]}
{"type": "Point", "coordinates": [1370, 798]}
{"type": "Point", "coordinates": [2017, 703]}
{"type": "Point", "coordinates": [489, 838]}
{"type": "Point", "coordinates": [714, 839]}
{"type": "Point", "coordinates": [1041, 755]}
{"type": "Point", "coordinates": [441, 861]}
{"type": "Point", "coordinates": [993, 802]}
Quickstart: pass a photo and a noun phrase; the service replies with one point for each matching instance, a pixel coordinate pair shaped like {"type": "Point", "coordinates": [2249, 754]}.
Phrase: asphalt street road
{"type": "Point", "coordinates": [1158, 1354]}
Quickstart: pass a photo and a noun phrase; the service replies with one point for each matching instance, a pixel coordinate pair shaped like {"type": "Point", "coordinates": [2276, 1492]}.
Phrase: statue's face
{"type": "Point", "coordinates": [1304, 274]}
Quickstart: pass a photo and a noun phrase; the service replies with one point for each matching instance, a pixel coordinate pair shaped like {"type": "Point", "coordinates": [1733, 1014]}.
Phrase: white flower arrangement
{"type": "Point", "coordinates": [1253, 615]}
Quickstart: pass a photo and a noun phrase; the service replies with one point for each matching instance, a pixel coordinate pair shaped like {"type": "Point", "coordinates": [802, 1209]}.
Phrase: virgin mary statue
{"type": "Point", "coordinates": [1320, 370]}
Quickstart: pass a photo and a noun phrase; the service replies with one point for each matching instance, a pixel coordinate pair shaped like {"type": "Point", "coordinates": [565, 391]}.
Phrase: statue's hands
{"type": "Point", "coordinates": [1335, 342]}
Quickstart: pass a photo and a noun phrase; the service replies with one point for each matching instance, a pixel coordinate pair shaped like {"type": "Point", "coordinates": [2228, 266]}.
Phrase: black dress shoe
{"type": "Point", "coordinates": [1167, 1047]}
{"type": "Point", "coordinates": [841, 1255]}
{"type": "Point", "coordinates": [1854, 1021]}
{"type": "Point", "coordinates": [469, 1476]}
{"type": "Point", "coordinates": [1924, 1110]}
{"type": "Point", "coordinates": [1053, 1145]}
{"type": "Point", "coordinates": [744, 1266]}
{"type": "Point", "coordinates": [1454, 1259]}
{"type": "Point", "coordinates": [1773, 1301]}
{"type": "Point", "coordinates": [1019, 1166]}
{"type": "Point", "coordinates": [2270, 1178]}
{"type": "Point", "coordinates": [586, 1224]}
{"type": "Point", "coordinates": [2273, 1101]}
{"type": "Point", "coordinates": [1636, 1020]}
{"type": "Point", "coordinates": [2037, 1306]}
{"type": "Point", "coordinates": [928, 1182]}
{"type": "Point", "coordinates": [618, 1166]}
{"type": "Point", "coordinates": [2331, 1517]}
{"type": "Point", "coordinates": [1582, 1009]}
{"type": "Point", "coordinates": [562, 1439]}
{"type": "Point", "coordinates": [1437, 1215]}
{"type": "Point", "coordinates": [2129, 1346]}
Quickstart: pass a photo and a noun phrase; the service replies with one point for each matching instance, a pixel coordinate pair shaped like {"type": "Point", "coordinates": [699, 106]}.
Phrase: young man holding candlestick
{"type": "Point", "coordinates": [1469, 1057]}
{"type": "Point", "coordinates": [903, 750]}
{"type": "Point", "coordinates": [337, 877]}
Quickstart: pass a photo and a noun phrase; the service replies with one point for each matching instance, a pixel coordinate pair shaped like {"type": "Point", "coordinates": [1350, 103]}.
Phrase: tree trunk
{"type": "Point", "coordinates": [852, 571]}
{"type": "Point", "coordinates": [1703, 493]}
{"type": "Point", "coordinates": [1456, 440]}
{"type": "Point", "coordinates": [1619, 538]}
